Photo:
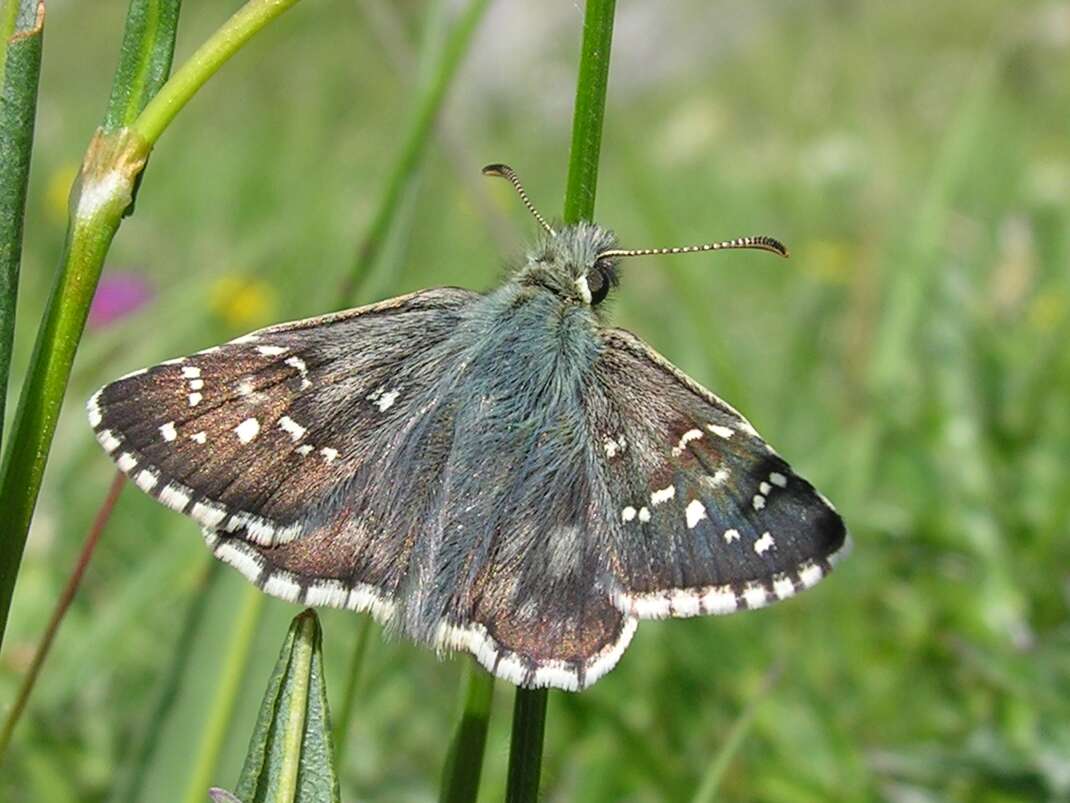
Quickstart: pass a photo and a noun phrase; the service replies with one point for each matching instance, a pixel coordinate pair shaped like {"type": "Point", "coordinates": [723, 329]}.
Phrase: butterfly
{"type": "Point", "coordinates": [499, 473]}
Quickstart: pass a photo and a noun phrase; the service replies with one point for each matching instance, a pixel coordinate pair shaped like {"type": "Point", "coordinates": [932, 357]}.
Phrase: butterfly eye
{"type": "Point", "coordinates": [598, 280]}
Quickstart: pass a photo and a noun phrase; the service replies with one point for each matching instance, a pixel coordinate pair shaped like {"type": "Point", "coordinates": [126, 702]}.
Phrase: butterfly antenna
{"type": "Point", "coordinates": [769, 244]}
{"type": "Point", "coordinates": [506, 172]}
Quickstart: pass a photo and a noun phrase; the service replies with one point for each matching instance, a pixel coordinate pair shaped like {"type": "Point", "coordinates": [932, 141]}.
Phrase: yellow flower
{"type": "Point", "coordinates": [243, 303]}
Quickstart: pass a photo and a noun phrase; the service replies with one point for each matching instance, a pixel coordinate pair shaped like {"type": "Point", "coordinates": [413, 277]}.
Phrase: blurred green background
{"type": "Point", "coordinates": [910, 360]}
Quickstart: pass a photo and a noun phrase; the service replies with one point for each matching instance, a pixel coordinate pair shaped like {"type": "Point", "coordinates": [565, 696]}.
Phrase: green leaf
{"type": "Point", "coordinates": [290, 758]}
{"type": "Point", "coordinates": [20, 68]}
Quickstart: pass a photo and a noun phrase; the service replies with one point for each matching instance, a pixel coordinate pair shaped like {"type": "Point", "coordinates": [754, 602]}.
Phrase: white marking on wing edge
{"type": "Point", "coordinates": [720, 600]}
{"type": "Point", "coordinates": [208, 514]}
{"type": "Point", "coordinates": [93, 407]}
{"type": "Point", "coordinates": [331, 593]}
{"type": "Point", "coordinates": [168, 431]}
{"type": "Point", "coordinates": [810, 574]}
{"type": "Point", "coordinates": [175, 496]}
{"type": "Point", "coordinates": [272, 351]}
{"type": "Point", "coordinates": [755, 595]}
{"type": "Point", "coordinates": [209, 350]}
{"type": "Point", "coordinates": [245, 339]}
{"type": "Point", "coordinates": [241, 558]}
{"type": "Point", "coordinates": [783, 587]}
{"type": "Point", "coordinates": [295, 430]}
{"type": "Point", "coordinates": [724, 432]}
{"type": "Point", "coordinates": [199, 437]}
{"type": "Point", "coordinates": [283, 586]}
{"type": "Point", "coordinates": [195, 399]}
{"type": "Point", "coordinates": [132, 374]}
{"type": "Point", "coordinates": [778, 479]}
{"type": "Point", "coordinates": [627, 514]}
{"type": "Point", "coordinates": [126, 462]}
{"type": "Point", "coordinates": [764, 488]}
{"type": "Point", "coordinates": [685, 603]}
{"type": "Point", "coordinates": [730, 536]}
{"type": "Point", "coordinates": [247, 430]}
{"type": "Point", "coordinates": [663, 495]}
{"type": "Point", "coordinates": [720, 476]}
{"type": "Point", "coordinates": [644, 514]}
{"type": "Point", "coordinates": [695, 513]}
{"type": "Point", "coordinates": [191, 372]}
{"type": "Point", "coordinates": [146, 480]}
{"type": "Point", "coordinates": [107, 440]}
{"type": "Point", "coordinates": [758, 501]}
{"type": "Point", "coordinates": [175, 361]}
{"type": "Point", "coordinates": [764, 544]}
{"type": "Point", "coordinates": [329, 454]}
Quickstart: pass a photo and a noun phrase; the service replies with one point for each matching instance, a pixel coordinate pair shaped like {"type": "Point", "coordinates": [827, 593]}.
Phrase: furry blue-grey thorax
{"type": "Point", "coordinates": [568, 263]}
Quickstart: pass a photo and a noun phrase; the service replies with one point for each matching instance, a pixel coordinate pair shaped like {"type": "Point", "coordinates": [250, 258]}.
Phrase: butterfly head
{"type": "Point", "coordinates": [570, 263]}
{"type": "Point", "coordinates": [578, 263]}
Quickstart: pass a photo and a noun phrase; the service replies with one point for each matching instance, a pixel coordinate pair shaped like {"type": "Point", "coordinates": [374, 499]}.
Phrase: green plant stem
{"type": "Point", "coordinates": [204, 63]}
{"type": "Point", "coordinates": [589, 110]}
{"type": "Point", "coordinates": [414, 143]}
{"type": "Point", "coordinates": [226, 695]}
{"type": "Point", "coordinates": [356, 666]}
{"type": "Point", "coordinates": [294, 732]}
{"type": "Point", "coordinates": [525, 746]}
{"type": "Point", "coordinates": [64, 603]}
{"type": "Point", "coordinates": [101, 196]}
{"type": "Point", "coordinates": [144, 59]}
{"type": "Point", "coordinates": [529, 710]}
{"type": "Point", "coordinates": [20, 69]}
{"type": "Point", "coordinates": [464, 761]}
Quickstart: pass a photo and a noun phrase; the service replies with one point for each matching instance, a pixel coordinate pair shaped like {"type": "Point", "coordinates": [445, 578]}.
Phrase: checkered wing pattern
{"type": "Point", "coordinates": [706, 517]}
{"type": "Point", "coordinates": [257, 435]}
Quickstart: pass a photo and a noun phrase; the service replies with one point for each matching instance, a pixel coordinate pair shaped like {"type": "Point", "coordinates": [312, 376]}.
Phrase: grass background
{"type": "Point", "coordinates": [910, 359]}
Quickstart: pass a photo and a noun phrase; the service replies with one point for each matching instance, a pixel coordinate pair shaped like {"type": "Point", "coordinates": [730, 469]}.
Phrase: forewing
{"type": "Point", "coordinates": [256, 436]}
{"type": "Point", "coordinates": [707, 517]}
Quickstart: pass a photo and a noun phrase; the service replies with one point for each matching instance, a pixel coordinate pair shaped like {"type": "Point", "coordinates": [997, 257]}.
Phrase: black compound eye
{"type": "Point", "coordinates": [599, 282]}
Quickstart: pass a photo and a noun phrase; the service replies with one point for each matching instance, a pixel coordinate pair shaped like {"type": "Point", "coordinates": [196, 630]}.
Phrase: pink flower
{"type": "Point", "coordinates": [118, 295]}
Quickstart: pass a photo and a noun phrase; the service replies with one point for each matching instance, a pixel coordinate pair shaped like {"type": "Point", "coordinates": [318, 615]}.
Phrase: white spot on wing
{"type": "Point", "coordinates": [146, 480]}
{"type": "Point", "coordinates": [295, 430]}
{"type": "Point", "coordinates": [758, 501]}
{"type": "Point", "coordinates": [724, 432]}
{"type": "Point", "coordinates": [627, 514]}
{"type": "Point", "coordinates": [272, 351]}
{"type": "Point", "coordinates": [695, 513]}
{"type": "Point", "coordinates": [195, 399]}
{"type": "Point", "coordinates": [196, 384]}
{"type": "Point", "coordinates": [168, 431]}
{"type": "Point", "coordinates": [730, 536]}
{"type": "Point", "coordinates": [191, 372]}
{"type": "Point", "coordinates": [126, 462]}
{"type": "Point", "coordinates": [199, 437]}
{"type": "Point", "coordinates": [247, 430]}
{"type": "Point", "coordinates": [764, 544]}
{"type": "Point", "coordinates": [305, 450]}
{"type": "Point", "coordinates": [174, 496]}
{"type": "Point", "coordinates": [107, 440]}
{"type": "Point", "coordinates": [778, 479]}
{"type": "Point", "coordinates": [644, 514]}
{"type": "Point", "coordinates": [662, 495]}
{"type": "Point", "coordinates": [386, 401]}
{"type": "Point", "coordinates": [329, 454]}
{"type": "Point", "coordinates": [686, 438]}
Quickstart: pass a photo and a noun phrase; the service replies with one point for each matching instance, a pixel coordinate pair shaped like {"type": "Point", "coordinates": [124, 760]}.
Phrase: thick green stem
{"type": "Point", "coordinates": [464, 761]}
{"type": "Point", "coordinates": [20, 69]}
{"type": "Point", "coordinates": [525, 746]}
{"type": "Point", "coordinates": [529, 711]}
{"type": "Point", "coordinates": [589, 111]}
